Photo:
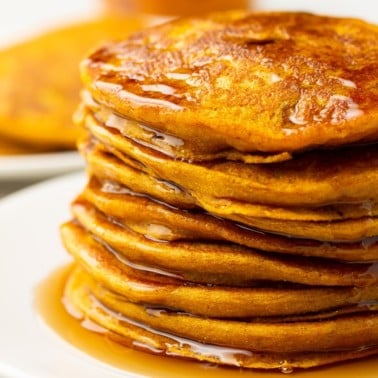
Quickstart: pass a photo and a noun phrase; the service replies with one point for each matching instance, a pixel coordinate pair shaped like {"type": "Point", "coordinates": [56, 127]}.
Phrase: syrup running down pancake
{"type": "Point", "coordinates": [230, 213]}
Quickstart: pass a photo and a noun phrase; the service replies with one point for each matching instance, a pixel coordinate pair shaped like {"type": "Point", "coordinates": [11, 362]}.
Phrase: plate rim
{"type": "Point", "coordinates": [37, 166]}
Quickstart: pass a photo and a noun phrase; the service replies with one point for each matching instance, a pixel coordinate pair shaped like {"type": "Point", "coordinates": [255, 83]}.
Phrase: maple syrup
{"type": "Point", "coordinates": [93, 340]}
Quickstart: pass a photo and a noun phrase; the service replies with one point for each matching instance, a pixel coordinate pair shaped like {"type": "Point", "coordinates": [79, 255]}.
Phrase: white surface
{"type": "Point", "coordinates": [38, 166]}
{"type": "Point", "coordinates": [21, 19]}
{"type": "Point", "coordinates": [30, 249]}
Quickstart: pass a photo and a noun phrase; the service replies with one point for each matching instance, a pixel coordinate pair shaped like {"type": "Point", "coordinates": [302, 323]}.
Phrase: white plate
{"type": "Point", "coordinates": [39, 166]}
{"type": "Point", "coordinates": [30, 250]}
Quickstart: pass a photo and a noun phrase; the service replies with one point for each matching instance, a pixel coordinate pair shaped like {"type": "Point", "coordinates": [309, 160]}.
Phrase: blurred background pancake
{"type": "Point", "coordinates": [40, 83]}
{"type": "Point", "coordinates": [11, 147]}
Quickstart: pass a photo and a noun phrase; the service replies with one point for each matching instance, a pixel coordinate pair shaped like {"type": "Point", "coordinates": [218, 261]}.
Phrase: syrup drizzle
{"type": "Point", "coordinates": [137, 266]}
{"type": "Point", "coordinates": [224, 355]}
{"type": "Point", "coordinates": [136, 99]}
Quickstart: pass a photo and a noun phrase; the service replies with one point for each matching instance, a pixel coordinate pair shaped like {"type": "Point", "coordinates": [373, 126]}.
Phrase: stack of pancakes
{"type": "Point", "coordinates": [230, 214]}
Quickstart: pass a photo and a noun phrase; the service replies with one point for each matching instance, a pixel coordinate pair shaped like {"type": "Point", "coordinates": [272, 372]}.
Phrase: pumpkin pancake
{"type": "Point", "coordinates": [334, 212]}
{"type": "Point", "coordinates": [198, 262]}
{"type": "Point", "coordinates": [346, 332]}
{"type": "Point", "coordinates": [314, 179]}
{"type": "Point", "coordinates": [10, 147]}
{"type": "Point", "coordinates": [134, 333]}
{"type": "Point", "coordinates": [160, 222]}
{"type": "Point", "coordinates": [40, 82]}
{"type": "Point", "coordinates": [280, 76]}
{"type": "Point", "coordinates": [264, 300]}
{"type": "Point", "coordinates": [217, 297]}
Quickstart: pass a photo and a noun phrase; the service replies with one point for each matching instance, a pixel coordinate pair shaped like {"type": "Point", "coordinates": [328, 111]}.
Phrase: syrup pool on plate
{"type": "Point", "coordinates": [90, 339]}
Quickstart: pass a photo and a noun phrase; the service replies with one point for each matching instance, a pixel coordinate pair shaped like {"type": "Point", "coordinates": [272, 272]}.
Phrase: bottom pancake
{"type": "Point", "coordinates": [141, 335]}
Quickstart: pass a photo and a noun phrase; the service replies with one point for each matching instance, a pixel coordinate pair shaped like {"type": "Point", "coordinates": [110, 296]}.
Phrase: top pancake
{"type": "Point", "coordinates": [268, 82]}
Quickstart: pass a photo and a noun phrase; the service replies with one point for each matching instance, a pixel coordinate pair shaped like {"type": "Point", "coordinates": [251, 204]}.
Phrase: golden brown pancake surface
{"type": "Point", "coordinates": [270, 82]}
